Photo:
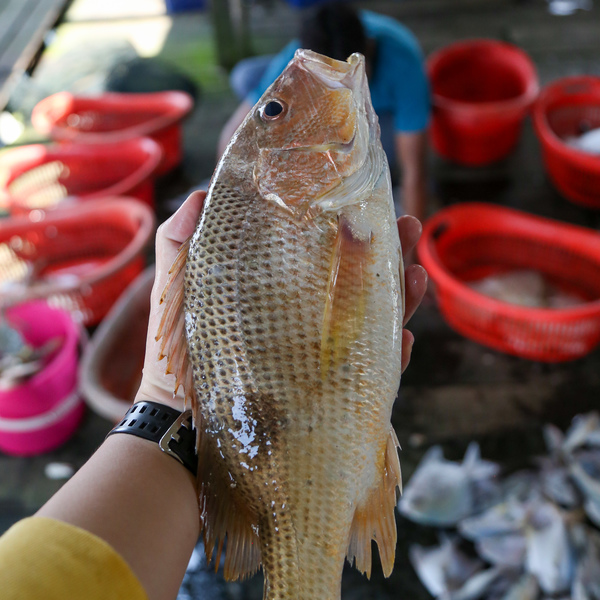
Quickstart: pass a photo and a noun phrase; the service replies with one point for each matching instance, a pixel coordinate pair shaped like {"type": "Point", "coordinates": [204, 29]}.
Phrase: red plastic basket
{"type": "Point", "coordinates": [80, 258]}
{"type": "Point", "coordinates": [113, 118]}
{"type": "Point", "coordinates": [468, 241]}
{"type": "Point", "coordinates": [38, 176]}
{"type": "Point", "coordinates": [566, 108]}
{"type": "Point", "coordinates": [481, 92]}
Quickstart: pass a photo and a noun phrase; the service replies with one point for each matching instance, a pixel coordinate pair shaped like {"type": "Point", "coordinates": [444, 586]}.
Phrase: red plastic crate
{"type": "Point", "coordinates": [471, 240]}
{"type": "Point", "coordinates": [80, 258]}
{"type": "Point", "coordinates": [481, 91]}
{"type": "Point", "coordinates": [39, 176]}
{"type": "Point", "coordinates": [115, 117]}
{"type": "Point", "coordinates": [566, 108]}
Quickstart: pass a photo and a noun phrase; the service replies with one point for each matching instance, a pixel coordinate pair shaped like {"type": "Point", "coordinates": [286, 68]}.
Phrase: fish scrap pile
{"type": "Point", "coordinates": [18, 359]}
{"type": "Point", "coordinates": [587, 142]}
{"type": "Point", "coordinates": [526, 287]}
{"type": "Point", "coordinates": [536, 533]}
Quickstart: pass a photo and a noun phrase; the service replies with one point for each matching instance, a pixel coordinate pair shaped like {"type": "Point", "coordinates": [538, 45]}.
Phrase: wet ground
{"type": "Point", "coordinates": [455, 390]}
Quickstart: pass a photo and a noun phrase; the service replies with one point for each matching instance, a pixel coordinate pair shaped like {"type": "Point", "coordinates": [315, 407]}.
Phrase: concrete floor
{"type": "Point", "coordinates": [454, 390]}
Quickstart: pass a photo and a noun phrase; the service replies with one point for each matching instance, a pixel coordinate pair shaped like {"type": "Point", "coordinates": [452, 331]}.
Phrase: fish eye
{"type": "Point", "coordinates": [273, 109]}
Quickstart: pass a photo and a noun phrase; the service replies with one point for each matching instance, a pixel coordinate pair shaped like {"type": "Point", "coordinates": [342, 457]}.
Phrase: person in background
{"type": "Point", "coordinates": [397, 81]}
{"type": "Point", "coordinates": [125, 525]}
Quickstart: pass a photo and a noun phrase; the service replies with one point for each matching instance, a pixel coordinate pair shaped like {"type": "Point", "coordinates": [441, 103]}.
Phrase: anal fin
{"type": "Point", "coordinates": [375, 520]}
{"type": "Point", "coordinates": [224, 519]}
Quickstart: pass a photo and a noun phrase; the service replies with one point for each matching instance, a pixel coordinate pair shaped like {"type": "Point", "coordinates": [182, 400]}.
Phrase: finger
{"type": "Point", "coordinates": [181, 225]}
{"type": "Point", "coordinates": [415, 277]}
{"type": "Point", "coordinates": [409, 229]}
{"type": "Point", "coordinates": [408, 339]}
{"type": "Point", "coordinates": [171, 234]}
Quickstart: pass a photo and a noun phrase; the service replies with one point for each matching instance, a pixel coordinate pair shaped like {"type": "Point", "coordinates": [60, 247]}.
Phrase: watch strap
{"type": "Point", "coordinates": [171, 429]}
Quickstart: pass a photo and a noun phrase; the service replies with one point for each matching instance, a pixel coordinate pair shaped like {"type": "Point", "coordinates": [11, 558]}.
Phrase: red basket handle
{"type": "Point", "coordinates": [583, 85]}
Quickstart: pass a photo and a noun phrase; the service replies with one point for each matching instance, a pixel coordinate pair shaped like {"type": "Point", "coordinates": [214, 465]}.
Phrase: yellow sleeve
{"type": "Point", "coordinates": [49, 559]}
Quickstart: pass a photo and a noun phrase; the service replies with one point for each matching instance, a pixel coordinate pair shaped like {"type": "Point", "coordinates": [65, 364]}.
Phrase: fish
{"type": "Point", "coordinates": [443, 492]}
{"type": "Point", "coordinates": [283, 323]}
{"type": "Point", "coordinates": [526, 588]}
{"type": "Point", "coordinates": [444, 568]}
{"type": "Point", "coordinates": [587, 142]}
{"type": "Point", "coordinates": [525, 287]}
{"type": "Point", "coordinates": [19, 360]}
{"type": "Point", "coordinates": [550, 554]}
{"type": "Point", "coordinates": [499, 532]}
{"type": "Point", "coordinates": [586, 583]}
{"type": "Point", "coordinates": [585, 471]}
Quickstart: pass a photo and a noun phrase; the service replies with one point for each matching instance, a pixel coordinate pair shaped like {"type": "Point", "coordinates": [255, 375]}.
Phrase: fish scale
{"type": "Point", "coordinates": [293, 310]}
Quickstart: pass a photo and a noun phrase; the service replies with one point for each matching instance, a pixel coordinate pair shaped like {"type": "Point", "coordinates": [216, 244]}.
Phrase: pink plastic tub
{"type": "Point", "coordinates": [43, 432]}
{"type": "Point", "coordinates": [39, 323]}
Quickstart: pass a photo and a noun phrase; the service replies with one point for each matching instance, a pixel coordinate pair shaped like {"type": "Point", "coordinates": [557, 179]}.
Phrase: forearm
{"type": "Point", "coordinates": [140, 501]}
{"type": "Point", "coordinates": [411, 151]}
{"type": "Point", "coordinates": [414, 197]}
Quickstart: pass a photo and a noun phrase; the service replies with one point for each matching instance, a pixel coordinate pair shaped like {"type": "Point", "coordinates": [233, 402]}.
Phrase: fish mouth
{"type": "Point", "coordinates": [334, 73]}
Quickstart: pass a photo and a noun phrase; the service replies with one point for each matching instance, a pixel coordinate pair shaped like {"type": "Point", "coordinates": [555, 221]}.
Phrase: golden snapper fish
{"type": "Point", "coordinates": [290, 294]}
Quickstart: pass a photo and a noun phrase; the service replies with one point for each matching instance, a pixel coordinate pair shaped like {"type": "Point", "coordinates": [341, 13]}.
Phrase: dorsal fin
{"type": "Point", "coordinates": [171, 327]}
{"type": "Point", "coordinates": [221, 516]}
{"type": "Point", "coordinates": [375, 520]}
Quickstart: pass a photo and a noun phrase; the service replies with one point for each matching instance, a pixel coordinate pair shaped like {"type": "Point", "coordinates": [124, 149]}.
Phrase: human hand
{"type": "Point", "coordinates": [415, 277]}
{"type": "Point", "coordinates": [156, 385]}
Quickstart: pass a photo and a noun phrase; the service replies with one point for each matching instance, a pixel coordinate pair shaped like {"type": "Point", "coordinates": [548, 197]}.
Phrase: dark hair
{"type": "Point", "coordinates": [334, 30]}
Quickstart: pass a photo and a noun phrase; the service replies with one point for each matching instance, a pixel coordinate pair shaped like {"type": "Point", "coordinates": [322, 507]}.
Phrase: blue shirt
{"type": "Point", "coordinates": [398, 82]}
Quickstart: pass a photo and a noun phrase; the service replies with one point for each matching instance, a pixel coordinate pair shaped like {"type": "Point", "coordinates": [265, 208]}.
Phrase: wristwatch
{"type": "Point", "coordinates": [172, 430]}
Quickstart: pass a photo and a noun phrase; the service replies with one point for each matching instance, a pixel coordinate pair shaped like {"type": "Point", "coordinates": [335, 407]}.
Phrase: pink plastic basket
{"type": "Point", "coordinates": [42, 412]}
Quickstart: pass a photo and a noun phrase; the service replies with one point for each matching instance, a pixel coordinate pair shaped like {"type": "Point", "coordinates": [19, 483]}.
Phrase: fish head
{"type": "Point", "coordinates": [312, 128]}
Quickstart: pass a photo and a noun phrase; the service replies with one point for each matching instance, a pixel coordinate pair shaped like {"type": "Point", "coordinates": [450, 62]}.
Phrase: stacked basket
{"type": "Point", "coordinates": [81, 216]}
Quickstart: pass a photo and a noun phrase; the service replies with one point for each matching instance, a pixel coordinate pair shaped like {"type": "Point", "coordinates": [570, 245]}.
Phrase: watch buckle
{"type": "Point", "coordinates": [172, 434]}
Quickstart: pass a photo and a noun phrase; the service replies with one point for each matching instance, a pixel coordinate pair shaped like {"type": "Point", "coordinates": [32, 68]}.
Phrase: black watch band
{"type": "Point", "coordinates": [170, 429]}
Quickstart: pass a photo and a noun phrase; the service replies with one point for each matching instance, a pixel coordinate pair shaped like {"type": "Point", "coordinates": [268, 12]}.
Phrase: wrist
{"type": "Point", "coordinates": [155, 392]}
{"type": "Point", "coordinates": [169, 428]}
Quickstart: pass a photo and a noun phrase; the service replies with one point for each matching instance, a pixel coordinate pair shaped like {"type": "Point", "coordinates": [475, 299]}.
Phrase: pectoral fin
{"type": "Point", "coordinates": [345, 303]}
{"type": "Point", "coordinates": [375, 519]}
